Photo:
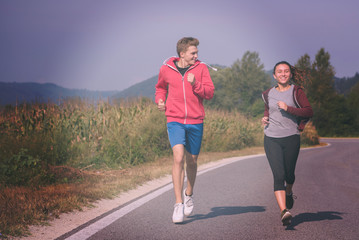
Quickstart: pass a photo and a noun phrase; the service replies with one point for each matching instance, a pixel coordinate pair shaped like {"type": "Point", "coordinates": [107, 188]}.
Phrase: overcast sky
{"type": "Point", "coordinates": [111, 45]}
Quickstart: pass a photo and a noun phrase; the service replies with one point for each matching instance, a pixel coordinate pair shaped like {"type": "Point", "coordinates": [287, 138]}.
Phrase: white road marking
{"type": "Point", "coordinates": [106, 221]}
{"type": "Point", "coordinates": [109, 219]}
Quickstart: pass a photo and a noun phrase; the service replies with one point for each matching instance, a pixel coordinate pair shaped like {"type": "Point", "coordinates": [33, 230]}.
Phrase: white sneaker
{"type": "Point", "coordinates": [188, 204]}
{"type": "Point", "coordinates": [177, 216]}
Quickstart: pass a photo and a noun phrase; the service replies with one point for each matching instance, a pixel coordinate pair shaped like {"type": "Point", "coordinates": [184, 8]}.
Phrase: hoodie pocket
{"type": "Point", "coordinates": [195, 108]}
{"type": "Point", "coordinates": [175, 108]}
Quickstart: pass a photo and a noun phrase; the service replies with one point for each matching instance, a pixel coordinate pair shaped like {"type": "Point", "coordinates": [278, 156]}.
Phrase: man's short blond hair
{"type": "Point", "coordinates": [184, 43]}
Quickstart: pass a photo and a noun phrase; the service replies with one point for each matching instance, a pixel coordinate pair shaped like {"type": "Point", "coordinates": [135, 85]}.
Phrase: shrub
{"type": "Point", "coordinates": [22, 169]}
{"type": "Point", "coordinates": [309, 136]}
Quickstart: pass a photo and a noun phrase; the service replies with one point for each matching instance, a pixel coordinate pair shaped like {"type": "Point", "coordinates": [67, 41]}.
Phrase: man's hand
{"type": "Point", "coordinates": [191, 79]}
{"type": "Point", "coordinates": [161, 105]}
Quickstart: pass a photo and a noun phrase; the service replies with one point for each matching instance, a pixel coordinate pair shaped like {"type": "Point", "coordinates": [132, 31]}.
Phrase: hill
{"type": "Point", "coordinates": [12, 93]}
{"type": "Point", "coordinates": [143, 89]}
{"type": "Point", "coordinates": [146, 88]}
{"type": "Point", "coordinates": [343, 85]}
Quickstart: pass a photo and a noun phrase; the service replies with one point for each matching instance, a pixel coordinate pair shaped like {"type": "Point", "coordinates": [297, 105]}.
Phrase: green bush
{"type": "Point", "coordinates": [22, 169]}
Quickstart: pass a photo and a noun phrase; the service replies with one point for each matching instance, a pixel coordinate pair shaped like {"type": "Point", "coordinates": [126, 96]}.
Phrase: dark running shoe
{"type": "Point", "coordinates": [286, 217]}
{"type": "Point", "coordinates": [289, 200]}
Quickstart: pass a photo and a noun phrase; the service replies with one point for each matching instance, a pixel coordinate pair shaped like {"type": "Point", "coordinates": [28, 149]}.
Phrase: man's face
{"type": "Point", "coordinates": [190, 56]}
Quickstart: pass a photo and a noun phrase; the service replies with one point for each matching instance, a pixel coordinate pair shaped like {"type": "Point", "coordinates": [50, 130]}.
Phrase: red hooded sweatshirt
{"type": "Point", "coordinates": [184, 102]}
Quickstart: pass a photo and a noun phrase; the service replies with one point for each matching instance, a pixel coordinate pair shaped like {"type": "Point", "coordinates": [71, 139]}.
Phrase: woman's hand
{"type": "Point", "coordinates": [282, 105]}
{"type": "Point", "coordinates": [265, 121]}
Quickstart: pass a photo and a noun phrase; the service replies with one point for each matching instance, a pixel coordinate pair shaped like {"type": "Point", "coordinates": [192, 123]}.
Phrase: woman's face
{"type": "Point", "coordinates": [282, 74]}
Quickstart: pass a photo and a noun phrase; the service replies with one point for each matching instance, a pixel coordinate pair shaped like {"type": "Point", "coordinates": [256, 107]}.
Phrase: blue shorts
{"type": "Point", "coordinates": [189, 135]}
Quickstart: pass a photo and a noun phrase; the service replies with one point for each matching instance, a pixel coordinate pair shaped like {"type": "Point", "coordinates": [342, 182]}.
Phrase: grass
{"type": "Point", "coordinates": [56, 158]}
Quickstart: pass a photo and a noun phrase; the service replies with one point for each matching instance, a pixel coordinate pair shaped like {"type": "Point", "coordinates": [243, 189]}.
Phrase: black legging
{"type": "Point", "coordinates": [282, 154]}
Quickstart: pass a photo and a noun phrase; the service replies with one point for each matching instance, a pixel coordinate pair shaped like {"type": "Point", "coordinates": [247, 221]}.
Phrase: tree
{"type": "Point", "coordinates": [304, 65]}
{"type": "Point", "coordinates": [252, 79]}
{"type": "Point", "coordinates": [331, 115]}
{"type": "Point", "coordinates": [321, 88]}
{"type": "Point", "coordinates": [353, 106]}
{"type": "Point", "coordinates": [241, 85]}
{"type": "Point", "coordinates": [335, 118]}
{"type": "Point", "coordinates": [222, 98]}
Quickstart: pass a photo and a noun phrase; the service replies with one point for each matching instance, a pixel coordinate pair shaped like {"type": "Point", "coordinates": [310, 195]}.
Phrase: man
{"type": "Point", "coordinates": [187, 82]}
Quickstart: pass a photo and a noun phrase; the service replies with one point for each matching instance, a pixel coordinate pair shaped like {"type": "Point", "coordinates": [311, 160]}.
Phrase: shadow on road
{"type": "Point", "coordinates": [220, 211]}
{"type": "Point", "coordinates": [313, 217]}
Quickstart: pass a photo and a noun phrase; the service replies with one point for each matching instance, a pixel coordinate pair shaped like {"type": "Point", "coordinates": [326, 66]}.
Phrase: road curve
{"type": "Point", "coordinates": [236, 201]}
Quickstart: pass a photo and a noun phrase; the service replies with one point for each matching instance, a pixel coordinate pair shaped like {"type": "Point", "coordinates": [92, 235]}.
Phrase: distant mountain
{"type": "Point", "coordinates": [143, 89]}
{"type": "Point", "coordinates": [146, 88]}
{"type": "Point", "coordinates": [343, 85]}
{"type": "Point", "coordinates": [12, 93]}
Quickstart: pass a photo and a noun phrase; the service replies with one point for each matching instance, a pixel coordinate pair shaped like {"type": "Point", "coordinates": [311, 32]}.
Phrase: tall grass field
{"type": "Point", "coordinates": [55, 158]}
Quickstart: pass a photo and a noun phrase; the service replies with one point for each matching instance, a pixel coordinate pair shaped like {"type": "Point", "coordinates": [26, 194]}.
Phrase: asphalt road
{"type": "Point", "coordinates": [236, 201]}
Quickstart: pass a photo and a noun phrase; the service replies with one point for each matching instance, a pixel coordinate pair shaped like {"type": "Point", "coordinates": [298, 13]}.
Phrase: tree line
{"type": "Point", "coordinates": [336, 112]}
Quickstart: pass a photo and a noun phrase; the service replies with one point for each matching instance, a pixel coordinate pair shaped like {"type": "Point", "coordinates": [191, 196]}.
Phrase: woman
{"type": "Point", "coordinates": [286, 111]}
